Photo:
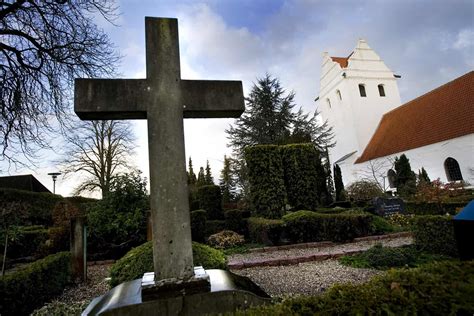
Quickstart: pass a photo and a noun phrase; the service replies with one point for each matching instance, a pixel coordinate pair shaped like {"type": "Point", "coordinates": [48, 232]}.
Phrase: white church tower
{"type": "Point", "coordinates": [355, 92]}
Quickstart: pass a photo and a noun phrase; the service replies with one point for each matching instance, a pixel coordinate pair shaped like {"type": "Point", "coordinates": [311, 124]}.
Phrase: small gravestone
{"type": "Point", "coordinates": [464, 231]}
{"type": "Point", "coordinates": [164, 100]}
{"type": "Point", "coordinates": [388, 206]}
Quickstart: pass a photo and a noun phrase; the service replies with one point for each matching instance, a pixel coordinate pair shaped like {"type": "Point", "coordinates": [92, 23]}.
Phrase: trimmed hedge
{"type": "Point", "coordinates": [29, 288]}
{"type": "Point", "coordinates": [435, 234]}
{"type": "Point", "coordinates": [302, 172]}
{"type": "Point", "coordinates": [267, 186]}
{"type": "Point", "coordinates": [429, 208]}
{"type": "Point", "coordinates": [140, 260]}
{"type": "Point", "coordinates": [308, 226]}
{"type": "Point", "coordinates": [265, 231]}
{"type": "Point", "coordinates": [198, 225]}
{"type": "Point", "coordinates": [210, 199]}
{"type": "Point", "coordinates": [442, 288]}
{"type": "Point", "coordinates": [214, 226]}
{"type": "Point", "coordinates": [28, 243]}
{"type": "Point", "coordinates": [236, 220]}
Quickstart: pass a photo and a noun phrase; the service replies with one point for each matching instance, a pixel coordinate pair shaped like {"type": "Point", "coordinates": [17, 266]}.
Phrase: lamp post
{"type": "Point", "coordinates": [54, 175]}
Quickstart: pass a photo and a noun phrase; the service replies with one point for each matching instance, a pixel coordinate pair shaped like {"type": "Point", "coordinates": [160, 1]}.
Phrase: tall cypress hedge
{"type": "Point", "coordinates": [267, 186]}
{"type": "Point", "coordinates": [302, 172]}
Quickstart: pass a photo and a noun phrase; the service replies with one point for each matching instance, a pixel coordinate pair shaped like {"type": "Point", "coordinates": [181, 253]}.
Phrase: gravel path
{"type": "Point", "coordinates": [297, 252]}
{"type": "Point", "coordinates": [310, 278]}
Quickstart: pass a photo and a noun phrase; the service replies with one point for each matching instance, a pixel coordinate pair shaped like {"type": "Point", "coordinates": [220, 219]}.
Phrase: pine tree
{"type": "Point", "coordinates": [227, 182]}
{"type": "Point", "coordinates": [209, 180]}
{"type": "Point", "coordinates": [329, 181]}
{"type": "Point", "coordinates": [405, 180]}
{"type": "Point", "coordinates": [338, 184]}
{"type": "Point", "coordinates": [191, 175]}
{"type": "Point", "coordinates": [201, 180]}
{"type": "Point", "coordinates": [423, 176]}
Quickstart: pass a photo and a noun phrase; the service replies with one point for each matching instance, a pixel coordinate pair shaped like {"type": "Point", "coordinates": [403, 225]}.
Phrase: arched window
{"type": "Point", "coordinates": [362, 90]}
{"type": "Point", "coordinates": [453, 172]}
{"type": "Point", "coordinates": [339, 95]}
{"type": "Point", "coordinates": [391, 175]}
{"type": "Point", "coordinates": [329, 102]}
{"type": "Point", "coordinates": [381, 90]}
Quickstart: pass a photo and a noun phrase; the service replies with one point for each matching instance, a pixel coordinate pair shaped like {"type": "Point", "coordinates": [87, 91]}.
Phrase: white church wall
{"type": "Point", "coordinates": [430, 157]}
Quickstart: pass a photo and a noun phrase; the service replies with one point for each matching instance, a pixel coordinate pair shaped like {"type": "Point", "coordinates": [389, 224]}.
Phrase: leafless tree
{"type": "Point", "coordinates": [97, 151]}
{"type": "Point", "coordinates": [44, 45]}
{"type": "Point", "coordinates": [376, 171]}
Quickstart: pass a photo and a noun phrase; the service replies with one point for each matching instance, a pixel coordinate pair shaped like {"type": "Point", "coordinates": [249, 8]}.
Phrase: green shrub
{"type": "Point", "coordinates": [39, 206]}
{"type": "Point", "coordinates": [29, 239]}
{"type": "Point", "coordinates": [118, 221]}
{"type": "Point", "coordinates": [381, 226]}
{"type": "Point", "coordinates": [435, 234]}
{"type": "Point", "coordinates": [210, 199]}
{"type": "Point", "coordinates": [432, 208]}
{"type": "Point", "coordinates": [225, 239]}
{"type": "Point", "coordinates": [198, 225]}
{"type": "Point", "coordinates": [308, 226]}
{"type": "Point", "coordinates": [363, 190]}
{"type": "Point", "coordinates": [214, 226]}
{"type": "Point", "coordinates": [443, 288]}
{"type": "Point", "coordinates": [236, 220]}
{"type": "Point", "coordinates": [303, 174]}
{"type": "Point", "coordinates": [140, 260]}
{"type": "Point", "coordinates": [336, 210]}
{"type": "Point", "coordinates": [267, 186]}
{"type": "Point", "coordinates": [24, 290]}
{"type": "Point", "coordinates": [379, 257]}
{"type": "Point", "coordinates": [265, 231]}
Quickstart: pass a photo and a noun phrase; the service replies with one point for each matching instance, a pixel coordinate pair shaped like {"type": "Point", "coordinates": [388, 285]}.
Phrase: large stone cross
{"type": "Point", "coordinates": [164, 99]}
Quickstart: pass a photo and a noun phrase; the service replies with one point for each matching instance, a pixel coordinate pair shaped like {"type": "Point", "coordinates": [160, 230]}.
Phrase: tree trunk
{"type": "Point", "coordinates": [5, 252]}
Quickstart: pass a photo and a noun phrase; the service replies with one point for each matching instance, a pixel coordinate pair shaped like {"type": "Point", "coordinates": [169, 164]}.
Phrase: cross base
{"type": "Point", "coordinates": [168, 288]}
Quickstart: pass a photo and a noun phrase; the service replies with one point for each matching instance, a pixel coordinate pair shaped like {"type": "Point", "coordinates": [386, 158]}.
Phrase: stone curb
{"type": "Point", "coordinates": [316, 257]}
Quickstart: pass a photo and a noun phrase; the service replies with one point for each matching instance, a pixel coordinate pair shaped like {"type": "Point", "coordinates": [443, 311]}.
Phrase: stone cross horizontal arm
{"type": "Point", "coordinates": [112, 99]}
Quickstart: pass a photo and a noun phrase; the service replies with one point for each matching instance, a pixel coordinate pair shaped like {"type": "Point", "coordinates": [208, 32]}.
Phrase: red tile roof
{"type": "Point", "coordinates": [343, 61]}
{"type": "Point", "coordinates": [446, 112]}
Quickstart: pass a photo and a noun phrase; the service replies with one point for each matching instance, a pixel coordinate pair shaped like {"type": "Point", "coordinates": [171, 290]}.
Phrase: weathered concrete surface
{"type": "Point", "coordinates": [164, 99]}
{"type": "Point", "coordinates": [228, 293]}
{"type": "Point", "coordinates": [78, 249]}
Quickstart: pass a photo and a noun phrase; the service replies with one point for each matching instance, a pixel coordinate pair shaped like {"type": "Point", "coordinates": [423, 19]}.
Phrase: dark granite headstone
{"type": "Point", "coordinates": [388, 206]}
{"type": "Point", "coordinates": [464, 231]}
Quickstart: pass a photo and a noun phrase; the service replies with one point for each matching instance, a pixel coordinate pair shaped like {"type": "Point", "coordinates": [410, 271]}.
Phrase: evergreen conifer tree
{"type": "Point", "coordinates": [209, 180]}
{"type": "Point", "coordinates": [423, 176]}
{"type": "Point", "coordinates": [201, 179]}
{"type": "Point", "coordinates": [338, 184]}
{"type": "Point", "coordinates": [226, 182]}
{"type": "Point", "coordinates": [329, 180]}
{"type": "Point", "coordinates": [405, 180]}
{"type": "Point", "coordinates": [191, 175]}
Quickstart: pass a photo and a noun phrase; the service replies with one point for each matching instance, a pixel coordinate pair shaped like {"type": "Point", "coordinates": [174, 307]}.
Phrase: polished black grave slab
{"type": "Point", "coordinates": [228, 292]}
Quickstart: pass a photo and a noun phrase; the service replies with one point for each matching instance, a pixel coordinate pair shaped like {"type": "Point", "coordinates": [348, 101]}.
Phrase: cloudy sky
{"type": "Point", "coordinates": [426, 42]}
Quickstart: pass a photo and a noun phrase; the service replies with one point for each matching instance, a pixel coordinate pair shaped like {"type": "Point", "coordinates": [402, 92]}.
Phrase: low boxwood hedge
{"type": "Point", "coordinates": [308, 226]}
{"type": "Point", "coordinates": [140, 260]}
{"type": "Point", "coordinates": [430, 208]}
{"type": "Point", "coordinates": [265, 231]}
{"type": "Point", "coordinates": [435, 234]}
{"type": "Point", "coordinates": [442, 288]}
{"type": "Point", "coordinates": [30, 287]}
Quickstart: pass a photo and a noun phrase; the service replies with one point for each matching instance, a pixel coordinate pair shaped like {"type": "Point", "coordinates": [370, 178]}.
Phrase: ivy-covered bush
{"type": "Point", "coordinates": [435, 233]}
{"type": "Point", "coordinates": [265, 231]}
{"type": "Point", "coordinates": [198, 225]}
{"type": "Point", "coordinates": [210, 199]}
{"type": "Point", "coordinates": [267, 185]}
{"type": "Point", "coordinates": [118, 221]}
{"type": "Point", "coordinates": [236, 220]}
{"type": "Point", "coordinates": [308, 226]}
{"type": "Point", "coordinates": [302, 173]}
{"type": "Point", "coordinates": [140, 260]}
{"type": "Point", "coordinates": [442, 288]}
{"type": "Point", "coordinates": [225, 239]}
{"type": "Point", "coordinates": [38, 206]}
{"type": "Point", "coordinates": [26, 289]}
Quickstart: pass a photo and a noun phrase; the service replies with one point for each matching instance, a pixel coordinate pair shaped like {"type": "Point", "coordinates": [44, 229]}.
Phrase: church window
{"type": "Point", "coordinates": [391, 175]}
{"type": "Point", "coordinates": [453, 172]}
{"type": "Point", "coordinates": [329, 102]}
{"type": "Point", "coordinates": [381, 90]}
{"type": "Point", "coordinates": [339, 95]}
{"type": "Point", "coordinates": [362, 90]}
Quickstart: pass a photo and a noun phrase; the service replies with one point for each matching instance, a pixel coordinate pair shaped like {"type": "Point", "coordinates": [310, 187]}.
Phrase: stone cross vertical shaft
{"type": "Point", "coordinates": [164, 99]}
